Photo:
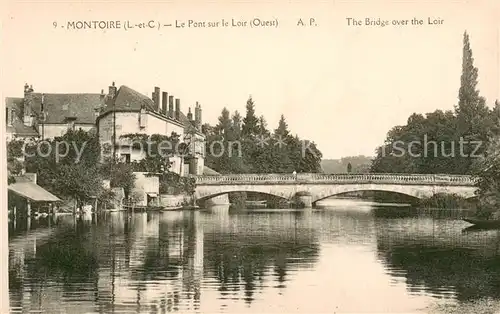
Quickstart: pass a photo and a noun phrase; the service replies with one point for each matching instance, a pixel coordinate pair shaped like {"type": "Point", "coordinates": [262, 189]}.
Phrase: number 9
{"type": "Point", "coordinates": [55, 24]}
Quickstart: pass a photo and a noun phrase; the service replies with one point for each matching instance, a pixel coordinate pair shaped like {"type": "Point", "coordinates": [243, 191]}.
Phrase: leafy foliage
{"type": "Point", "coordinates": [442, 142]}
{"type": "Point", "coordinates": [489, 178]}
{"type": "Point", "coordinates": [67, 166]}
{"type": "Point", "coordinates": [120, 175]}
{"type": "Point", "coordinates": [172, 183]}
{"type": "Point", "coordinates": [15, 164]}
{"type": "Point", "coordinates": [157, 150]}
{"type": "Point", "coordinates": [247, 146]}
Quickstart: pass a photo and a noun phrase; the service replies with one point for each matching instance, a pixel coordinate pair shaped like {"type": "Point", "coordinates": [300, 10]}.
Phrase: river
{"type": "Point", "coordinates": [345, 257]}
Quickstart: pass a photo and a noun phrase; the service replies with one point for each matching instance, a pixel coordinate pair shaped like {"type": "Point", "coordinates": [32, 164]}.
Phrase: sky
{"type": "Point", "coordinates": [341, 86]}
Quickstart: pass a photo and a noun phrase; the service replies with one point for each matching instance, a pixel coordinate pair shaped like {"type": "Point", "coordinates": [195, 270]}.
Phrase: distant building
{"type": "Point", "coordinates": [49, 115]}
{"type": "Point", "coordinates": [16, 128]}
{"type": "Point", "coordinates": [120, 111]}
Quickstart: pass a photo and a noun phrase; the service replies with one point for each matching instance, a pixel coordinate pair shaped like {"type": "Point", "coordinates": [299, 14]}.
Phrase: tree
{"type": "Point", "coordinates": [251, 148]}
{"type": "Point", "coordinates": [282, 129]}
{"type": "Point", "coordinates": [262, 126]}
{"type": "Point", "coordinates": [225, 123]}
{"type": "Point", "coordinates": [121, 175]}
{"type": "Point", "coordinates": [250, 122]}
{"type": "Point", "coordinates": [68, 166]}
{"type": "Point", "coordinates": [488, 184]}
{"type": "Point", "coordinates": [236, 127]}
{"type": "Point", "coordinates": [15, 163]}
{"type": "Point", "coordinates": [473, 120]}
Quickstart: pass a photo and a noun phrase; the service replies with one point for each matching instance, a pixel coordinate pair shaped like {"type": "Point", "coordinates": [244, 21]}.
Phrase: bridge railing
{"type": "Point", "coordinates": [319, 178]}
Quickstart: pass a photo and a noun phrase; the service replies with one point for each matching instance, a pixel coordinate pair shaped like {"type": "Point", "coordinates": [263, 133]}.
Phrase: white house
{"type": "Point", "coordinates": [130, 112]}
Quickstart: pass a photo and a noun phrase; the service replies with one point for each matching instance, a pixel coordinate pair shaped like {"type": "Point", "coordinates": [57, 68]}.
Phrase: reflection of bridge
{"type": "Point", "coordinates": [320, 186]}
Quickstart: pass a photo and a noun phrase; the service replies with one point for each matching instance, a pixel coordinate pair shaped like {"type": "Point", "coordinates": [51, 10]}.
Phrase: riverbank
{"type": "Point", "coordinates": [486, 305]}
{"type": "Point", "coordinates": [448, 201]}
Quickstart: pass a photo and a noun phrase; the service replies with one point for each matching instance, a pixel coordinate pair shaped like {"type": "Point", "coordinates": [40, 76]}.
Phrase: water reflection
{"type": "Point", "coordinates": [437, 258]}
{"type": "Point", "coordinates": [250, 261]}
{"type": "Point", "coordinates": [247, 252]}
{"type": "Point", "coordinates": [148, 262]}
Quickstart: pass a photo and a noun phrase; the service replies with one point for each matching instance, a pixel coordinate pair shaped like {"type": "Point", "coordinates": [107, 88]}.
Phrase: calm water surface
{"type": "Point", "coordinates": [348, 257]}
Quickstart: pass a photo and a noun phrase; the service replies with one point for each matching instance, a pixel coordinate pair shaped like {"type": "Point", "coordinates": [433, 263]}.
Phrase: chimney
{"type": "Point", "coordinates": [156, 98]}
{"type": "Point", "coordinates": [190, 115]}
{"type": "Point", "coordinates": [102, 95]}
{"type": "Point", "coordinates": [8, 116]}
{"type": "Point", "coordinates": [197, 116]}
{"type": "Point", "coordinates": [177, 109]}
{"type": "Point", "coordinates": [28, 105]}
{"type": "Point", "coordinates": [97, 112]}
{"type": "Point", "coordinates": [112, 90]}
{"type": "Point", "coordinates": [164, 102]}
{"type": "Point", "coordinates": [171, 106]}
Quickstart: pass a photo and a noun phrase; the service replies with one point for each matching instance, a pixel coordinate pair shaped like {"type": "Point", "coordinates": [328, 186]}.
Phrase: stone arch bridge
{"type": "Point", "coordinates": [321, 186]}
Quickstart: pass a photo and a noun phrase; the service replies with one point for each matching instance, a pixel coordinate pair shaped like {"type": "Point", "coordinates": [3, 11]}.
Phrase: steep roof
{"type": "Point", "coordinates": [18, 127]}
{"type": "Point", "coordinates": [60, 107]}
{"type": "Point", "coordinates": [129, 99]}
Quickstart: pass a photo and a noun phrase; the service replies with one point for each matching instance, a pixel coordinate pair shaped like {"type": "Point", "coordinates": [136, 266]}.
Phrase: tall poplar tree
{"type": "Point", "coordinates": [473, 121]}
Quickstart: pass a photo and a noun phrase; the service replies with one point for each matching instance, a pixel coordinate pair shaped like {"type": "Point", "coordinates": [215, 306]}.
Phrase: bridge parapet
{"type": "Point", "coordinates": [318, 178]}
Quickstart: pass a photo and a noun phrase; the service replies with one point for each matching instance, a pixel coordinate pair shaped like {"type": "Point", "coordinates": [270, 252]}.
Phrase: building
{"type": "Point", "coordinates": [130, 112]}
{"type": "Point", "coordinates": [120, 111]}
{"type": "Point", "coordinates": [49, 115]}
{"type": "Point", "coordinates": [15, 126]}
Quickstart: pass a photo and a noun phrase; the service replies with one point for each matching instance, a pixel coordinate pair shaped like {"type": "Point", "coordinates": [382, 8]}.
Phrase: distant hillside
{"type": "Point", "coordinates": [360, 164]}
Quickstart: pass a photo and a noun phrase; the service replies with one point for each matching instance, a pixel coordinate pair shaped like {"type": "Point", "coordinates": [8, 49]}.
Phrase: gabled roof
{"type": "Point", "coordinates": [18, 128]}
{"type": "Point", "coordinates": [60, 107]}
{"type": "Point", "coordinates": [129, 99]}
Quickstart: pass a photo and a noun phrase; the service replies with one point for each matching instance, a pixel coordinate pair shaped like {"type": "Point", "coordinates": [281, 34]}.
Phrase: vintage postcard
{"type": "Point", "coordinates": [250, 156]}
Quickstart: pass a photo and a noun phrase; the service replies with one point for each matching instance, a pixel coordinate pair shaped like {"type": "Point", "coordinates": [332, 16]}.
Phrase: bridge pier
{"type": "Point", "coordinates": [304, 201]}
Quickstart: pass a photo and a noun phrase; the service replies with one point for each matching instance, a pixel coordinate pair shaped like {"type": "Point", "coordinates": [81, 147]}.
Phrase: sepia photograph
{"type": "Point", "coordinates": [284, 156]}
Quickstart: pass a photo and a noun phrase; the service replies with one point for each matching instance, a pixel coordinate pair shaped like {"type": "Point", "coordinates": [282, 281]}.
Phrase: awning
{"type": "Point", "coordinates": [151, 194]}
{"type": "Point", "coordinates": [32, 192]}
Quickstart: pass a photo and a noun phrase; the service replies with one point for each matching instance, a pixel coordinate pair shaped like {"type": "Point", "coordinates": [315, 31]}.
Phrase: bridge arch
{"type": "Point", "coordinates": [203, 194]}
{"type": "Point", "coordinates": [410, 191]}
{"type": "Point", "coordinates": [388, 191]}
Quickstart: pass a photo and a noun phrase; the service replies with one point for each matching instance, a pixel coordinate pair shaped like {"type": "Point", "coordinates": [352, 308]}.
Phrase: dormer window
{"type": "Point", "coordinates": [71, 122]}
{"type": "Point", "coordinates": [143, 118]}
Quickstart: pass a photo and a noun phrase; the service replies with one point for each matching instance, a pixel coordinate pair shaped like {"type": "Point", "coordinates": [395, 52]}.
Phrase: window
{"type": "Point", "coordinates": [125, 158]}
{"type": "Point", "coordinates": [65, 106]}
{"type": "Point", "coordinates": [10, 115]}
{"type": "Point", "coordinates": [143, 119]}
{"type": "Point", "coordinates": [71, 125]}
